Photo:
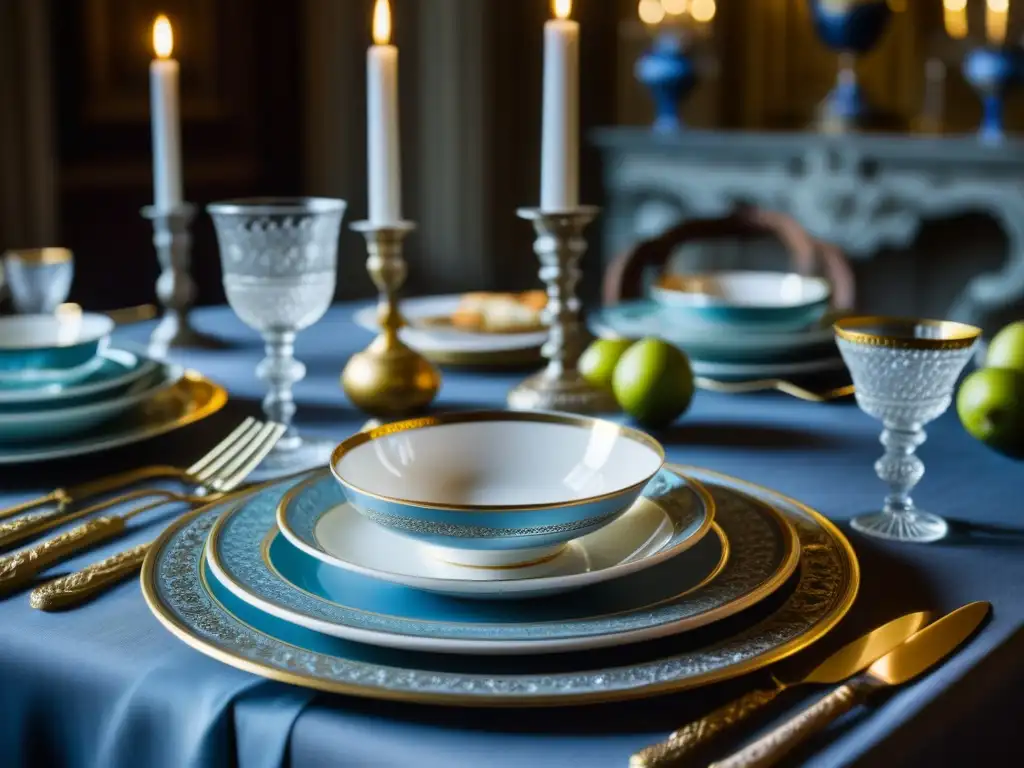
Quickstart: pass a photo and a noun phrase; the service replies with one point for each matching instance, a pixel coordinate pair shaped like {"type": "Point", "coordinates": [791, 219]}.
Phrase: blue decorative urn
{"type": "Point", "coordinates": [851, 28]}
{"type": "Point", "coordinates": [670, 74]}
{"type": "Point", "coordinates": [992, 71]}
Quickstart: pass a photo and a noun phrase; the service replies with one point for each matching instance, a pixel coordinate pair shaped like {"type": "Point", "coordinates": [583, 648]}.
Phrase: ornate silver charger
{"type": "Point", "coordinates": [180, 593]}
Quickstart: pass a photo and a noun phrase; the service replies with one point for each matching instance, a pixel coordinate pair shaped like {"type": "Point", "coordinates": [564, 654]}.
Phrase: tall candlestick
{"type": "Point", "coordinates": [560, 152]}
{"type": "Point", "coordinates": [163, 84]}
{"type": "Point", "coordinates": [384, 159]}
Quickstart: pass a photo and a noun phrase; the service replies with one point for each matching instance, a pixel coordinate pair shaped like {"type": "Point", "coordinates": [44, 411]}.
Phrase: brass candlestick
{"type": "Point", "coordinates": [388, 379]}
{"type": "Point", "coordinates": [559, 387]}
{"type": "Point", "coordinates": [175, 287]}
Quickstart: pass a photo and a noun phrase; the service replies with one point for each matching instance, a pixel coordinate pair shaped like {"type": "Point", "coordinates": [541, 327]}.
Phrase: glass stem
{"type": "Point", "coordinates": [280, 370]}
{"type": "Point", "coordinates": [900, 468]}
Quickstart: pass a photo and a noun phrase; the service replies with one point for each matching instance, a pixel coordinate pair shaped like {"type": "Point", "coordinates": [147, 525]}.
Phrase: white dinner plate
{"type": "Point", "coordinates": [671, 517]}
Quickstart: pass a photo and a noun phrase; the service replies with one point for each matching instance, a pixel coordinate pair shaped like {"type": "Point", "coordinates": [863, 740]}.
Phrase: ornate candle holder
{"type": "Point", "coordinates": [388, 379]}
{"type": "Point", "coordinates": [175, 288]}
{"type": "Point", "coordinates": [559, 387]}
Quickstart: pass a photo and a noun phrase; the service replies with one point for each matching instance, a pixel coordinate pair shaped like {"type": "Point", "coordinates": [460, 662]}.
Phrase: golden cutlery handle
{"type": "Point", "coordinates": [775, 745]}
{"type": "Point", "coordinates": [18, 570]}
{"type": "Point", "coordinates": [687, 739]}
{"type": "Point", "coordinates": [54, 497]}
{"type": "Point", "coordinates": [77, 588]}
{"type": "Point", "coordinates": [25, 527]}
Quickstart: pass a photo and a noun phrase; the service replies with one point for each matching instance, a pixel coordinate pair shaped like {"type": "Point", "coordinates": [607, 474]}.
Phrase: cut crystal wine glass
{"type": "Point", "coordinates": [279, 258]}
{"type": "Point", "coordinates": [904, 372]}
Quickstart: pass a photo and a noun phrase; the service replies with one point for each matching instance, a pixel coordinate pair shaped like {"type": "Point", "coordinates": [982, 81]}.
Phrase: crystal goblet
{"type": "Point", "coordinates": [279, 258]}
{"type": "Point", "coordinates": [904, 372]}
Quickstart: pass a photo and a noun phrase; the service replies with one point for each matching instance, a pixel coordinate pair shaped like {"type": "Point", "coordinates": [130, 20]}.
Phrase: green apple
{"type": "Point", "coordinates": [598, 361]}
{"type": "Point", "coordinates": [991, 408]}
{"type": "Point", "coordinates": [653, 382]}
{"type": "Point", "coordinates": [1006, 350]}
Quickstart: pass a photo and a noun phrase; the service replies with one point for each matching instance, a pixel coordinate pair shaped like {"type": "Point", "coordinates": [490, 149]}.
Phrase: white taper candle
{"type": "Point", "coordinates": [384, 163]}
{"type": "Point", "coordinates": [165, 118]}
{"type": "Point", "coordinates": [560, 151]}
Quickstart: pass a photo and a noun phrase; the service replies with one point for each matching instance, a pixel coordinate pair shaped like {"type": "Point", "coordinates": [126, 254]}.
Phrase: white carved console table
{"type": "Point", "coordinates": [865, 193]}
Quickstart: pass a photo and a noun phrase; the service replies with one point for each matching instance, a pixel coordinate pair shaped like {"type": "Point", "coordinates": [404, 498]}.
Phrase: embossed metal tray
{"type": "Point", "coordinates": [180, 592]}
{"type": "Point", "coordinates": [193, 398]}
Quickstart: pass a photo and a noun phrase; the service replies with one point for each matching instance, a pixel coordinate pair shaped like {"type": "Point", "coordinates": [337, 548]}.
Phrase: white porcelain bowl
{"type": "Point", "coordinates": [46, 349]}
{"type": "Point", "coordinates": [770, 301]}
{"type": "Point", "coordinates": [496, 488]}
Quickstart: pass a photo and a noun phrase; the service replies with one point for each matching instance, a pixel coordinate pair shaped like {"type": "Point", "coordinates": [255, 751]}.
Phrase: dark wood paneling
{"type": "Point", "coordinates": [241, 123]}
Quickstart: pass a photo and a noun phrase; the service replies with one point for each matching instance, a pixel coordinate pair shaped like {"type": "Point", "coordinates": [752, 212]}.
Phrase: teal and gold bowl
{"type": "Point", "coordinates": [745, 300]}
{"type": "Point", "coordinates": [60, 348]}
{"type": "Point", "coordinates": [496, 489]}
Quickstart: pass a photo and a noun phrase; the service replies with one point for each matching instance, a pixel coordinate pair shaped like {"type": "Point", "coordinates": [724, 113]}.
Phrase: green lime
{"type": "Point", "coordinates": [991, 408]}
{"type": "Point", "coordinates": [653, 382]}
{"type": "Point", "coordinates": [598, 361]}
{"type": "Point", "coordinates": [1006, 350]}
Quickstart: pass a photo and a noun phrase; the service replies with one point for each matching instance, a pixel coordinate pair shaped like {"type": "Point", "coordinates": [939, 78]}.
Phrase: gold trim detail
{"type": "Point", "coordinates": [468, 417]}
{"type": "Point", "coordinates": [513, 566]}
{"type": "Point", "coordinates": [39, 256]}
{"type": "Point", "coordinates": [787, 649]}
{"type": "Point", "coordinates": [898, 332]}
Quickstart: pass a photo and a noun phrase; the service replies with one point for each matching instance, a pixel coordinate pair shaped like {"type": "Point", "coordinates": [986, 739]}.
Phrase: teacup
{"type": "Point", "coordinates": [746, 300]}
{"type": "Point", "coordinates": [51, 349]}
{"type": "Point", "coordinates": [496, 489]}
{"type": "Point", "coordinates": [39, 279]}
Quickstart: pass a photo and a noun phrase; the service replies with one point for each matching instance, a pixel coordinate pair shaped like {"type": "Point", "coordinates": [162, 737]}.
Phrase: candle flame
{"type": "Point", "coordinates": [382, 22]}
{"type": "Point", "coordinates": [703, 11]}
{"type": "Point", "coordinates": [562, 8]}
{"type": "Point", "coordinates": [163, 37]}
{"type": "Point", "coordinates": [651, 12]}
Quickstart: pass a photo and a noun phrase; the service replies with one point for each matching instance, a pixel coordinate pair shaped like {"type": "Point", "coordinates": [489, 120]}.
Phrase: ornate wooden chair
{"type": "Point", "coordinates": [807, 255]}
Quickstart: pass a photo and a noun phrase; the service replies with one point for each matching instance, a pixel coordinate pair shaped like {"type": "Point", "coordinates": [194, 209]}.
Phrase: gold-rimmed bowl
{"type": "Point", "coordinates": [496, 488]}
{"type": "Point", "coordinates": [904, 371]}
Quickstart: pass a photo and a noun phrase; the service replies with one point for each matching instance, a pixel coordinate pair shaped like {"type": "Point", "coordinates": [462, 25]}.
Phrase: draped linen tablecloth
{"type": "Point", "coordinates": [106, 686]}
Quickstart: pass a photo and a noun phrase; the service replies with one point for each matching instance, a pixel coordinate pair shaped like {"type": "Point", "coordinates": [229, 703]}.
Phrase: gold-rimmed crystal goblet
{"type": "Point", "coordinates": [904, 372]}
{"type": "Point", "coordinates": [279, 257]}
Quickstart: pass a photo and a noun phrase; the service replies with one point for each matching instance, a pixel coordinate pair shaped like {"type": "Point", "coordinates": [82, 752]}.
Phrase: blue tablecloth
{"type": "Point", "coordinates": [106, 686]}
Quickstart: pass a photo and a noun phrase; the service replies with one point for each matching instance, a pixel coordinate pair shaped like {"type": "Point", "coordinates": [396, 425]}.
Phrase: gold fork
{"type": "Point", "coordinates": [199, 474]}
{"type": "Point", "coordinates": [780, 385]}
{"type": "Point", "coordinates": [18, 569]}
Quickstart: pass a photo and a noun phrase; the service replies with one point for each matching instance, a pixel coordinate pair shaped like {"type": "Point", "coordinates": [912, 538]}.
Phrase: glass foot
{"type": "Point", "coordinates": [913, 526]}
{"type": "Point", "coordinates": [289, 459]}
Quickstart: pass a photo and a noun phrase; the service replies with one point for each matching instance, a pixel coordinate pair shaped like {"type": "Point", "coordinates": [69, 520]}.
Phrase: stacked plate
{"type": "Point", "coordinates": [431, 333]}
{"type": "Point", "coordinates": [493, 558]}
{"type": "Point", "coordinates": [64, 387]}
{"type": "Point", "coordinates": [735, 326]}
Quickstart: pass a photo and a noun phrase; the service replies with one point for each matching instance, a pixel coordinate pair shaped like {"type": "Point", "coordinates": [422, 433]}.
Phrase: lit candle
{"type": "Point", "coordinates": [996, 14]}
{"type": "Point", "coordinates": [560, 152]}
{"type": "Point", "coordinates": [384, 160]}
{"type": "Point", "coordinates": [954, 18]}
{"type": "Point", "coordinates": [163, 92]}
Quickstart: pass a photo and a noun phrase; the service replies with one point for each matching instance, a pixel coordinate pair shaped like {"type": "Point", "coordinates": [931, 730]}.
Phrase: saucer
{"type": "Point", "coordinates": [752, 554]}
{"type": "Point", "coordinates": [118, 370]}
{"type": "Point", "coordinates": [671, 516]}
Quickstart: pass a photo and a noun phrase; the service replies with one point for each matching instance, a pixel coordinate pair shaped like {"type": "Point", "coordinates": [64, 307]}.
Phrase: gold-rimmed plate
{"type": "Point", "coordinates": [208, 617]}
{"type": "Point", "coordinates": [191, 399]}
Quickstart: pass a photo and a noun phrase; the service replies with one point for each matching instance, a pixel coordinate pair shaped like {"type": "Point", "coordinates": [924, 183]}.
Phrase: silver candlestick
{"type": "Point", "coordinates": [175, 288]}
{"type": "Point", "coordinates": [559, 387]}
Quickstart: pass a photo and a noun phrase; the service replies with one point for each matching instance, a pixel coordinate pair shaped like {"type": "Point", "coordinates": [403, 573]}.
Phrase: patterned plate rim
{"type": "Point", "coordinates": [835, 612]}
{"type": "Point", "coordinates": [298, 540]}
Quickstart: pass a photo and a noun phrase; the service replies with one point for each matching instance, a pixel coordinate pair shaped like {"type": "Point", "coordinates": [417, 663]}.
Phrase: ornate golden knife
{"type": "Point", "coordinates": [847, 661]}
{"type": "Point", "coordinates": [76, 588]}
{"type": "Point", "coordinates": [906, 661]}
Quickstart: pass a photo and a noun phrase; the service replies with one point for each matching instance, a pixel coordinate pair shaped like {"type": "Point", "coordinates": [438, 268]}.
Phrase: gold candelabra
{"type": "Point", "coordinates": [388, 379]}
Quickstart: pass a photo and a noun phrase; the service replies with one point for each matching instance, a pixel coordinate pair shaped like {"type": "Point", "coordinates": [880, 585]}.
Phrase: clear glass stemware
{"type": "Point", "coordinates": [279, 258]}
{"type": "Point", "coordinates": [904, 372]}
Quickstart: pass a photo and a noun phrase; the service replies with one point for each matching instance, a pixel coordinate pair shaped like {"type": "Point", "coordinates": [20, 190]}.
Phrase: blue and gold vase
{"type": "Point", "coordinates": [670, 74]}
{"type": "Point", "coordinates": [992, 71]}
{"type": "Point", "coordinates": [851, 28]}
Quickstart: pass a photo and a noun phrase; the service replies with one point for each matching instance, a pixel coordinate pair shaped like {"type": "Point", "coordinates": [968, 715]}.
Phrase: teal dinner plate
{"type": "Point", "coordinates": [753, 554]}
{"type": "Point", "coordinates": [193, 606]}
{"type": "Point", "coordinates": [53, 423]}
{"type": "Point", "coordinates": [711, 344]}
{"type": "Point", "coordinates": [118, 370]}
